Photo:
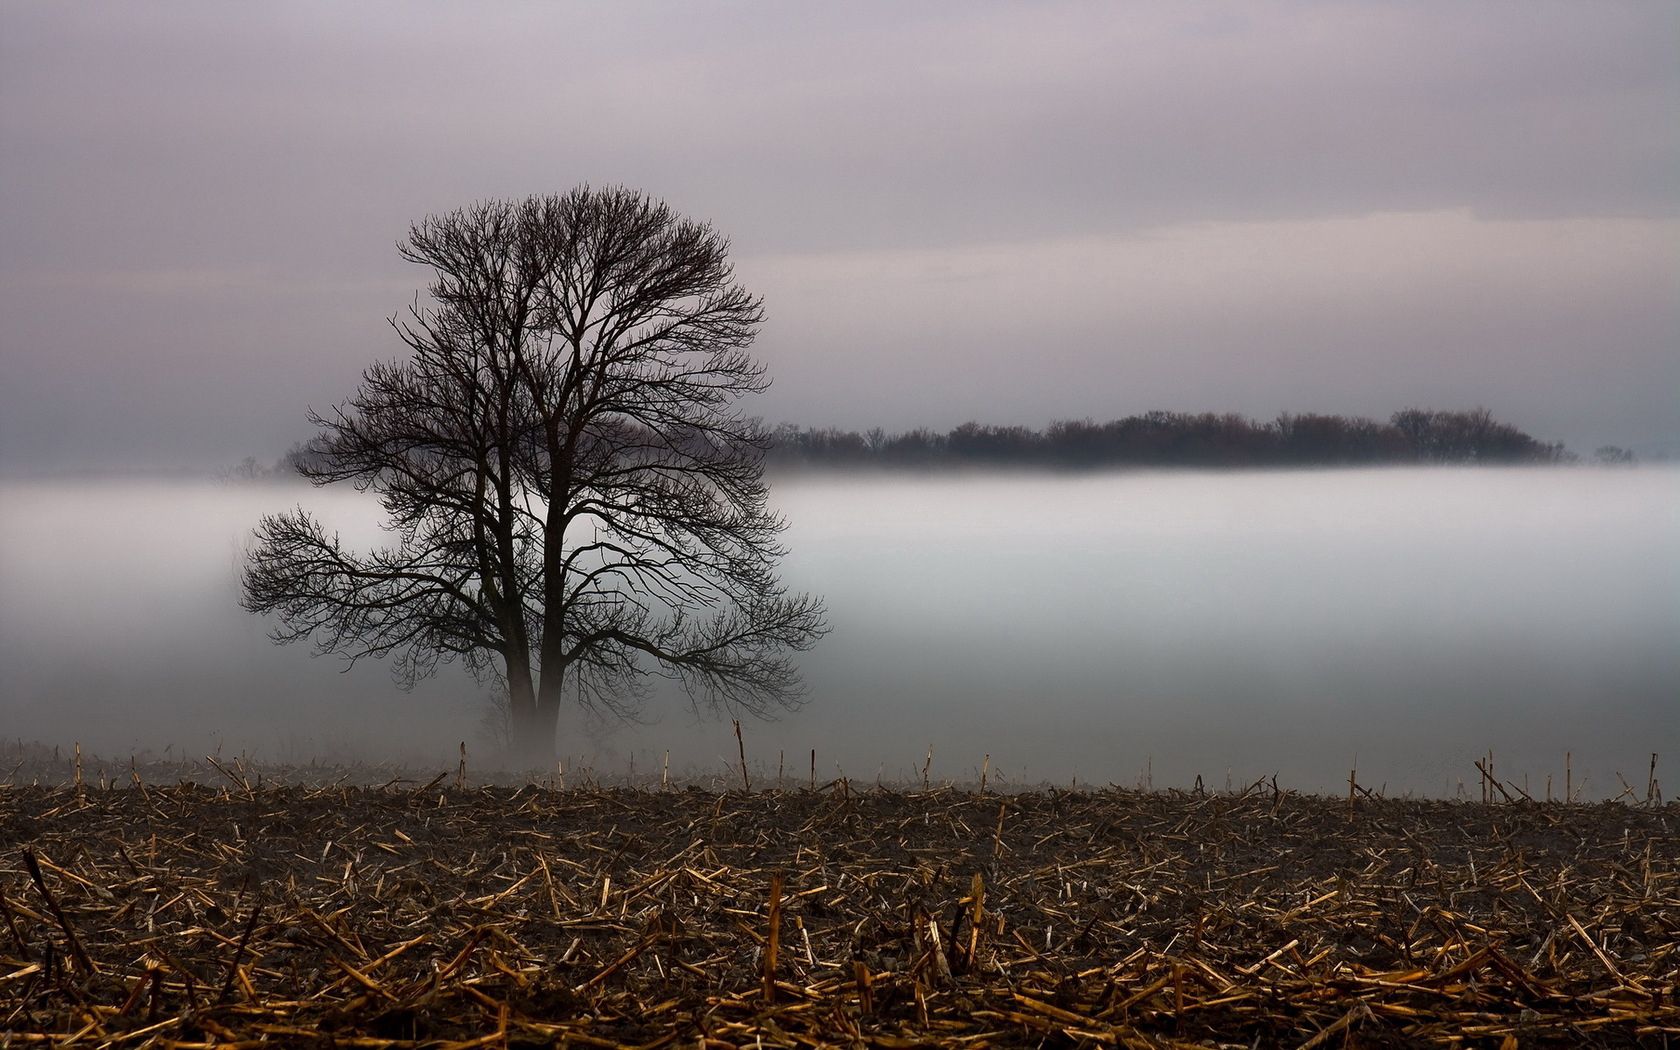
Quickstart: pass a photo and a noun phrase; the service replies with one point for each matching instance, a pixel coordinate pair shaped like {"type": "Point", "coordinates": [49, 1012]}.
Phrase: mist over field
{"type": "Point", "coordinates": [1091, 626]}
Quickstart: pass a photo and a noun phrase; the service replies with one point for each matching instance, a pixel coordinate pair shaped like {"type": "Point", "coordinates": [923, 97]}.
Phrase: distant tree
{"type": "Point", "coordinates": [992, 444]}
{"type": "Point", "coordinates": [1322, 439]}
{"type": "Point", "coordinates": [1417, 428]}
{"type": "Point", "coordinates": [1075, 442]}
{"type": "Point", "coordinates": [1615, 456]}
{"type": "Point", "coordinates": [296, 460]}
{"type": "Point", "coordinates": [247, 469]}
{"type": "Point", "coordinates": [577, 502]}
{"type": "Point", "coordinates": [1472, 436]}
{"type": "Point", "coordinates": [919, 447]}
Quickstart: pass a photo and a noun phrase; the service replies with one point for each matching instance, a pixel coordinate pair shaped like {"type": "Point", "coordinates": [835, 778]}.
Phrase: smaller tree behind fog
{"type": "Point", "coordinates": [578, 503]}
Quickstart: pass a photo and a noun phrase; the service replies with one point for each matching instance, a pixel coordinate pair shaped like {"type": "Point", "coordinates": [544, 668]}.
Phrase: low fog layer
{"type": "Point", "coordinates": [1100, 627]}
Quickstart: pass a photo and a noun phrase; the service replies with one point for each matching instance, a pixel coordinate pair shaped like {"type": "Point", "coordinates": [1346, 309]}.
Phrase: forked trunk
{"type": "Point", "coordinates": [530, 736]}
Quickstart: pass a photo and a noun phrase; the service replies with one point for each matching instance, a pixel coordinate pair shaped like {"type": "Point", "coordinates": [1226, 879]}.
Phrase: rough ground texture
{"type": "Point", "coordinates": [429, 915]}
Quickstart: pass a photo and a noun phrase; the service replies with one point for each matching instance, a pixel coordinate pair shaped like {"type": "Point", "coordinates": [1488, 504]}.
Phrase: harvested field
{"type": "Point", "coordinates": [198, 916]}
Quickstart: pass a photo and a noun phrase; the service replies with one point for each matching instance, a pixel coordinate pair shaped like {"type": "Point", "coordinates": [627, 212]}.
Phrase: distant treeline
{"type": "Point", "coordinates": [1171, 439]}
{"type": "Point", "coordinates": [1178, 439]}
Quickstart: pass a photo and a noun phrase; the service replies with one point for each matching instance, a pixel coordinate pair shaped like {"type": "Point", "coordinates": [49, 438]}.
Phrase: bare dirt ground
{"type": "Point", "coordinates": [416, 914]}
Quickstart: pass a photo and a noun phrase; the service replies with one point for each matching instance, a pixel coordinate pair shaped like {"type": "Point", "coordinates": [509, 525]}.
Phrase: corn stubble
{"type": "Point", "coordinates": [430, 915]}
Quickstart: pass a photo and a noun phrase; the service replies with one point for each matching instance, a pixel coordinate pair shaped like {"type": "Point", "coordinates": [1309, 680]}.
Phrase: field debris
{"type": "Point", "coordinates": [427, 914]}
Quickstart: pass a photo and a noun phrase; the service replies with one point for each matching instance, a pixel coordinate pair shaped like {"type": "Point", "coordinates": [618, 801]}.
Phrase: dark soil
{"type": "Point", "coordinates": [195, 915]}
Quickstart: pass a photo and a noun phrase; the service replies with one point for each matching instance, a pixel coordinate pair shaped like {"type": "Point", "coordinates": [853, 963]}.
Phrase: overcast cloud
{"type": "Point", "coordinates": [1007, 212]}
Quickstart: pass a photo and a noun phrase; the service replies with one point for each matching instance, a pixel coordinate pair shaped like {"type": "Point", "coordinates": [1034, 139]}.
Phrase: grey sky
{"type": "Point", "coordinates": [959, 210]}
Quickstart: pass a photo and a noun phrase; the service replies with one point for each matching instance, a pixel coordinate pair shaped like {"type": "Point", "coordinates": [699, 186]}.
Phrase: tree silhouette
{"type": "Point", "coordinates": [577, 502]}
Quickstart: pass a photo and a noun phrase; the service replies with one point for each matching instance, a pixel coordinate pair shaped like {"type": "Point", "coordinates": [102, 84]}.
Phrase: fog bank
{"type": "Point", "coordinates": [1095, 627]}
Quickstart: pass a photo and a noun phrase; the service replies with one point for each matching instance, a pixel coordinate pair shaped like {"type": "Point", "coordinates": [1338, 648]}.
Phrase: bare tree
{"type": "Point", "coordinates": [577, 503]}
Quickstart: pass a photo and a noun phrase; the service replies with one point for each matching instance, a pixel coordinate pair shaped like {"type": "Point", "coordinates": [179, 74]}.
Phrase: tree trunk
{"type": "Point", "coordinates": [545, 720]}
{"type": "Point", "coordinates": [529, 746]}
